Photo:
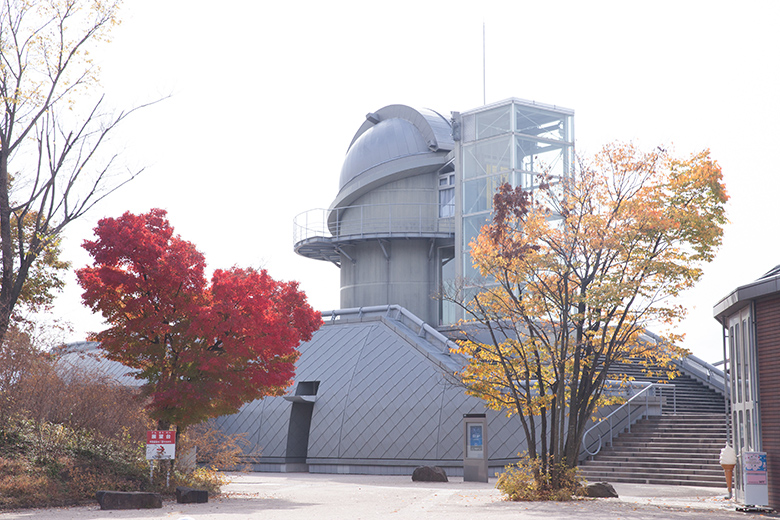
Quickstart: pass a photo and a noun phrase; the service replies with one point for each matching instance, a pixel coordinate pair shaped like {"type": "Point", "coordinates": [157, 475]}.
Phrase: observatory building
{"type": "Point", "coordinates": [415, 189]}
{"type": "Point", "coordinates": [375, 390]}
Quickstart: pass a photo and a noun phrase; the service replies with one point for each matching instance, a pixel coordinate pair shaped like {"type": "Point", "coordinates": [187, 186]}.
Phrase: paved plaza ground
{"type": "Point", "coordinates": [303, 496]}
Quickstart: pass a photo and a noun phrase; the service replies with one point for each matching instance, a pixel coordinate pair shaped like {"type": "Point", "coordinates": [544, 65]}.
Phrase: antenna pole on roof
{"type": "Point", "coordinates": [484, 95]}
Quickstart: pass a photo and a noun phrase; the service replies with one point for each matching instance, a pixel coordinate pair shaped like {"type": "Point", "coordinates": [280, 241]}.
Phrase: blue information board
{"type": "Point", "coordinates": [475, 440]}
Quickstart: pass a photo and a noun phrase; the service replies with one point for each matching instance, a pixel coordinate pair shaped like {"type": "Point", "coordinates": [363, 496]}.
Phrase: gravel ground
{"type": "Point", "coordinates": [303, 496]}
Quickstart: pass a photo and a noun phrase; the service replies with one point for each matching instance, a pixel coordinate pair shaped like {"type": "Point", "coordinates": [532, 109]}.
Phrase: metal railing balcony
{"type": "Point", "coordinates": [373, 220]}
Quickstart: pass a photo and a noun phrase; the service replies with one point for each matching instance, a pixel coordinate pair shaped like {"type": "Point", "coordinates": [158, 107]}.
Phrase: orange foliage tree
{"type": "Point", "coordinates": [573, 273]}
{"type": "Point", "coordinates": [202, 349]}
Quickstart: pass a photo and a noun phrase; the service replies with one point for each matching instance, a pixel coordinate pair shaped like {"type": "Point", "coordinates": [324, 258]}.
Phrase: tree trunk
{"type": "Point", "coordinates": [6, 246]}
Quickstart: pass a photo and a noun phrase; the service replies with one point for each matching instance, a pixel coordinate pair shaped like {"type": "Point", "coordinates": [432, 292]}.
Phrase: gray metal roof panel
{"type": "Point", "coordinates": [768, 284]}
{"type": "Point", "coordinates": [387, 140]}
{"type": "Point", "coordinates": [87, 356]}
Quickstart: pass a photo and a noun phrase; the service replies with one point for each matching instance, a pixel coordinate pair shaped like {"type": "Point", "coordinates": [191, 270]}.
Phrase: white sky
{"type": "Point", "coordinates": [266, 97]}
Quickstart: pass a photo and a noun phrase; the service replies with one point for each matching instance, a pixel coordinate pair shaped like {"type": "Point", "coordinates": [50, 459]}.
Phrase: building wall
{"type": "Point", "coordinates": [398, 270]}
{"type": "Point", "coordinates": [405, 277]}
{"type": "Point", "coordinates": [419, 189]}
{"type": "Point", "coordinates": [768, 343]}
{"type": "Point", "coordinates": [382, 407]}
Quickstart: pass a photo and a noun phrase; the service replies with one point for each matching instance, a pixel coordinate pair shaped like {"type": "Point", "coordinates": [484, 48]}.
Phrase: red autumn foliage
{"type": "Point", "coordinates": [202, 349]}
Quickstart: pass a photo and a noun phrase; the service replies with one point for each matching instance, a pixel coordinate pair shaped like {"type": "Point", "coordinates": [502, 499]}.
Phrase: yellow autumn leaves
{"type": "Point", "coordinates": [574, 273]}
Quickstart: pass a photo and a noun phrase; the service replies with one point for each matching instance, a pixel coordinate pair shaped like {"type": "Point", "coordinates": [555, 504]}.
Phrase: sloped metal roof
{"type": "Point", "coordinates": [766, 285]}
{"type": "Point", "coordinates": [87, 356]}
{"type": "Point", "coordinates": [385, 397]}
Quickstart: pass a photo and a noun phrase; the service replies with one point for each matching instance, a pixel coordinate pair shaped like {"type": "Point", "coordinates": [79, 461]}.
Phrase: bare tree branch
{"type": "Point", "coordinates": [52, 166]}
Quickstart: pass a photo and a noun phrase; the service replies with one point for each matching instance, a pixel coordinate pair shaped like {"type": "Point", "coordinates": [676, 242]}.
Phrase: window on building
{"type": "Point", "coordinates": [447, 276]}
{"type": "Point", "coordinates": [447, 195]}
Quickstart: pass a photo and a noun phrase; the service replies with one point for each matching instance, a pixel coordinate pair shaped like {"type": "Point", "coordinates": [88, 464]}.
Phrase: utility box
{"type": "Point", "coordinates": [475, 448]}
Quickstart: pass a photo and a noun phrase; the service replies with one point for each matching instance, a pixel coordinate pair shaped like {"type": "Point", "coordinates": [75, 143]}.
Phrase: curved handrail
{"type": "Point", "coordinates": [357, 221]}
{"type": "Point", "coordinates": [645, 392]}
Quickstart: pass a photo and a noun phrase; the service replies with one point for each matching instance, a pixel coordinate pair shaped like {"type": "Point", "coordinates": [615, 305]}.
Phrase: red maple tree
{"type": "Point", "coordinates": [202, 349]}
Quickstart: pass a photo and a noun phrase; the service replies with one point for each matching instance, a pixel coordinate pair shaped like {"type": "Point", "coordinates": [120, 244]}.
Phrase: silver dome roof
{"type": "Point", "coordinates": [395, 132]}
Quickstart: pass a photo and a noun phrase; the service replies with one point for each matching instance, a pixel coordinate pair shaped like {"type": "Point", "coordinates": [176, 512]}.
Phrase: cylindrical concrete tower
{"type": "Point", "coordinates": [391, 225]}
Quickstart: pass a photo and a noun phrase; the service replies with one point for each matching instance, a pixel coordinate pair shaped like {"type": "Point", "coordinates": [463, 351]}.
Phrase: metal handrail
{"type": "Point", "coordinates": [398, 313]}
{"type": "Point", "coordinates": [627, 417]}
{"type": "Point", "coordinates": [373, 219]}
{"type": "Point", "coordinates": [703, 371]}
{"type": "Point", "coordinates": [696, 368]}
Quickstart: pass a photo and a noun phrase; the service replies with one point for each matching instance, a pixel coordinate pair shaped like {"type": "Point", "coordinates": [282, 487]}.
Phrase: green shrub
{"type": "Point", "coordinates": [53, 465]}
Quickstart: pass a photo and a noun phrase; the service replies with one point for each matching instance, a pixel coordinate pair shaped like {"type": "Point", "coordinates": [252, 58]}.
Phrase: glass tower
{"type": "Point", "coordinates": [509, 141]}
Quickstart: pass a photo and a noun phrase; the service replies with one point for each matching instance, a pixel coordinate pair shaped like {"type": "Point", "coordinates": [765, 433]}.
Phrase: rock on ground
{"type": "Point", "coordinates": [128, 500]}
{"type": "Point", "coordinates": [600, 490]}
{"type": "Point", "coordinates": [429, 474]}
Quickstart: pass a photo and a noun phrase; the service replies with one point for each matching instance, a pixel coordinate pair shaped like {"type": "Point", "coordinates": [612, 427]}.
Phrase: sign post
{"type": "Point", "coordinates": [160, 445]}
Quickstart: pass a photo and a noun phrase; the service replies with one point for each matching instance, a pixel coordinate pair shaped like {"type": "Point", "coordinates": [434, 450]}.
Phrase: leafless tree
{"type": "Point", "coordinates": [51, 168]}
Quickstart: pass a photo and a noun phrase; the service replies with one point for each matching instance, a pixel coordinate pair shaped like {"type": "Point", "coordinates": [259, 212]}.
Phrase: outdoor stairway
{"type": "Point", "coordinates": [672, 449]}
{"type": "Point", "coordinates": [678, 449]}
{"type": "Point", "coordinates": [692, 396]}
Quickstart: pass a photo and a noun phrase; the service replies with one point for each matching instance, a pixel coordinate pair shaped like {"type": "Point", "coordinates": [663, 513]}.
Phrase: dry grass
{"type": "Point", "coordinates": [66, 433]}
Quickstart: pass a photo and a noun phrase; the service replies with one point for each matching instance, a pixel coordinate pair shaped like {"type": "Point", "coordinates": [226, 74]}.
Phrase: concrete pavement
{"type": "Point", "coordinates": [303, 496]}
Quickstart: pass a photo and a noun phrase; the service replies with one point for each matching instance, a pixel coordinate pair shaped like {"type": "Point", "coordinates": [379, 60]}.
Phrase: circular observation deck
{"type": "Point", "coordinates": [395, 144]}
{"type": "Point", "coordinates": [320, 233]}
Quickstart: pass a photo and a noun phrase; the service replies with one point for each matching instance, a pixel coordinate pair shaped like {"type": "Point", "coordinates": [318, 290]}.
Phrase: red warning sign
{"type": "Point", "coordinates": [160, 444]}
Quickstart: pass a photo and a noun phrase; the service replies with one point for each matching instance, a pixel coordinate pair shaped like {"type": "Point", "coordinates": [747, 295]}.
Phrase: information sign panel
{"type": "Point", "coordinates": [475, 434]}
{"type": "Point", "coordinates": [754, 477]}
{"type": "Point", "coordinates": [160, 444]}
{"type": "Point", "coordinates": [475, 447]}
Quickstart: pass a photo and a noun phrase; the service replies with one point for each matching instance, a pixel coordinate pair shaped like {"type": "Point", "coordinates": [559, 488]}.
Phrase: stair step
{"type": "Point", "coordinates": [670, 432]}
{"type": "Point", "coordinates": [655, 480]}
{"type": "Point", "coordinates": [653, 466]}
{"type": "Point", "coordinates": [670, 447]}
{"type": "Point", "coordinates": [675, 454]}
{"type": "Point", "coordinates": [679, 447]}
{"type": "Point", "coordinates": [659, 473]}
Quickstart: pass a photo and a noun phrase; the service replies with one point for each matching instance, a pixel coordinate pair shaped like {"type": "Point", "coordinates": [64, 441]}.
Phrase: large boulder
{"type": "Point", "coordinates": [188, 495]}
{"type": "Point", "coordinates": [128, 500]}
{"type": "Point", "coordinates": [429, 474]}
{"type": "Point", "coordinates": [599, 490]}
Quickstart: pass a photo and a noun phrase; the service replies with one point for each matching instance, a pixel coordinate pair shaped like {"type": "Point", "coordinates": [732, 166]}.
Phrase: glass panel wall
{"type": "Point", "coordinates": [487, 157]}
{"type": "Point", "coordinates": [494, 122]}
{"type": "Point", "coordinates": [447, 276]}
{"type": "Point", "coordinates": [478, 193]}
{"type": "Point", "coordinates": [471, 227]}
{"type": "Point", "coordinates": [512, 142]}
{"type": "Point", "coordinates": [540, 157]}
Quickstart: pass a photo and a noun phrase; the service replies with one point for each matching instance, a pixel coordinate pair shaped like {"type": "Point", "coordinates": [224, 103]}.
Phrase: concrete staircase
{"type": "Point", "coordinates": [679, 448]}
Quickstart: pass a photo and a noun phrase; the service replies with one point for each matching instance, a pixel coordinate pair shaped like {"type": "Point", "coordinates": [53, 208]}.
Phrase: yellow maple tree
{"type": "Point", "coordinates": [573, 274]}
